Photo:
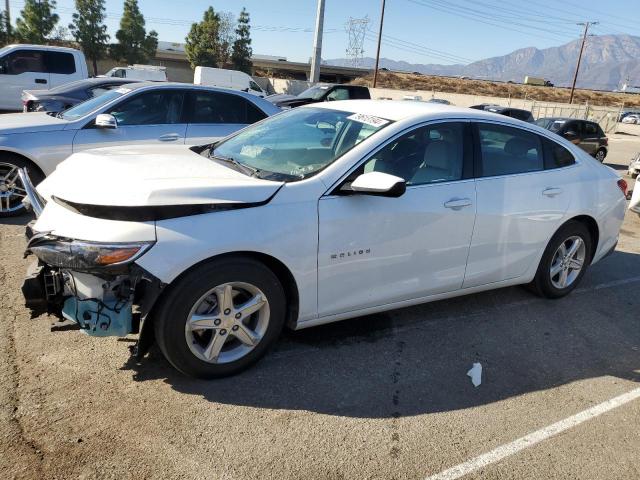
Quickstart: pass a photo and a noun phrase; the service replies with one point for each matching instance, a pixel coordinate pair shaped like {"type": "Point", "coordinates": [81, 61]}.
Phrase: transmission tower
{"type": "Point", "coordinates": [356, 29]}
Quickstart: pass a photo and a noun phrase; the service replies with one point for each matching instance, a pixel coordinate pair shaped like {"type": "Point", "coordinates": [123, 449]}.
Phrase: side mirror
{"type": "Point", "coordinates": [106, 120]}
{"type": "Point", "coordinates": [379, 183]}
{"type": "Point", "coordinates": [570, 135]}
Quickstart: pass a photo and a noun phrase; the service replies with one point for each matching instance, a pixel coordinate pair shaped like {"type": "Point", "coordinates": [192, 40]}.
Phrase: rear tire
{"type": "Point", "coordinates": [194, 316]}
{"type": "Point", "coordinates": [11, 189]}
{"type": "Point", "coordinates": [558, 264]}
{"type": "Point", "coordinates": [600, 155]}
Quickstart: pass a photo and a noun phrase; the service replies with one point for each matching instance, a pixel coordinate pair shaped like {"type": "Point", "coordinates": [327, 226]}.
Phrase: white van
{"type": "Point", "coordinates": [29, 67]}
{"type": "Point", "coordinates": [152, 73]}
{"type": "Point", "coordinates": [234, 79]}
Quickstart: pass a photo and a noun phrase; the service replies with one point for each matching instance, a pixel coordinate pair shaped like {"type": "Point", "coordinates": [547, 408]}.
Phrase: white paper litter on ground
{"type": "Point", "coordinates": [476, 374]}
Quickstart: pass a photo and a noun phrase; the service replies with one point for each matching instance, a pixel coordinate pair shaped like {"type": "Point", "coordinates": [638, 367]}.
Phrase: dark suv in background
{"type": "Point", "coordinates": [321, 93]}
{"type": "Point", "coordinates": [518, 113]}
{"type": "Point", "coordinates": [584, 133]}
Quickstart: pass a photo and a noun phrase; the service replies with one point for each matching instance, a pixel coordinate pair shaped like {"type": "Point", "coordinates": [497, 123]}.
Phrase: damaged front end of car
{"type": "Point", "coordinates": [96, 285]}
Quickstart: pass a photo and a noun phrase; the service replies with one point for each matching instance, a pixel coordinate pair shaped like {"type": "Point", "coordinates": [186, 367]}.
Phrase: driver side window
{"type": "Point", "coordinates": [339, 94]}
{"type": "Point", "coordinates": [150, 108]}
{"type": "Point", "coordinates": [430, 154]}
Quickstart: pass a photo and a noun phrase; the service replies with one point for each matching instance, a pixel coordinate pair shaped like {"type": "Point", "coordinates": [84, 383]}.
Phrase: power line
{"type": "Point", "coordinates": [446, 8]}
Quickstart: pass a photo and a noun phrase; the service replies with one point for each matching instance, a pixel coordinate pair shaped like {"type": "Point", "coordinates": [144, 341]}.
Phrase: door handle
{"type": "Point", "coordinates": [551, 192]}
{"type": "Point", "coordinates": [169, 137]}
{"type": "Point", "coordinates": [457, 203]}
{"type": "Point", "coordinates": [41, 80]}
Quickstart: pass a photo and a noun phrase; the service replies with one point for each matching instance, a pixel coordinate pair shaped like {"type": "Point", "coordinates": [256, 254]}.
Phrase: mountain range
{"type": "Point", "coordinates": [608, 61]}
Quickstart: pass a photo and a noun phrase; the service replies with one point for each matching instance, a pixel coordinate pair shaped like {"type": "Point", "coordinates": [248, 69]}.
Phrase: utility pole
{"type": "Point", "coordinates": [317, 44]}
{"type": "Point", "coordinates": [584, 39]}
{"type": "Point", "coordinates": [375, 72]}
{"type": "Point", "coordinates": [7, 12]}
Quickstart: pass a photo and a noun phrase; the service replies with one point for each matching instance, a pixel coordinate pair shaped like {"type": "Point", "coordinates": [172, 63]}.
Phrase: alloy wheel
{"type": "Point", "coordinates": [568, 262]}
{"type": "Point", "coordinates": [600, 155]}
{"type": "Point", "coordinates": [12, 191]}
{"type": "Point", "coordinates": [227, 322]}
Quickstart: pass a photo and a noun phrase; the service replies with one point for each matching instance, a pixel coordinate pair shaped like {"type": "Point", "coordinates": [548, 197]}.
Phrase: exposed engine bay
{"type": "Point", "coordinates": [95, 286]}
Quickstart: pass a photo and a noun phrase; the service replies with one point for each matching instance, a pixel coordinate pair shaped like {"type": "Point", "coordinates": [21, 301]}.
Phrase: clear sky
{"type": "Point", "coordinates": [418, 31]}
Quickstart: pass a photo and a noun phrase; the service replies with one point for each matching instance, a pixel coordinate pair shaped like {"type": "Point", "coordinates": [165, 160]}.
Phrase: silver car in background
{"type": "Point", "coordinates": [141, 113]}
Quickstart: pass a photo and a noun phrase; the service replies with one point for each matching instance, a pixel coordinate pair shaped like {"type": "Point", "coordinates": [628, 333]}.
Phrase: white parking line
{"type": "Point", "coordinates": [532, 439]}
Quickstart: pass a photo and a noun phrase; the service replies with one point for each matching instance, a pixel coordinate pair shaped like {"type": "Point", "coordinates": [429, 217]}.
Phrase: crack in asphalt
{"type": "Point", "coordinates": [10, 381]}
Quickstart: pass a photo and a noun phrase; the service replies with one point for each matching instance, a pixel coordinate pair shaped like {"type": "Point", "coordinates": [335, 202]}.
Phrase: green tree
{"type": "Point", "coordinates": [4, 34]}
{"type": "Point", "coordinates": [203, 41]}
{"type": "Point", "coordinates": [37, 21]}
{"type": "Point", "coordinates": [241, 52]}
{"type": "Point", "coordinates": [134, 44]}
{"type": "Point", "coordinates": [89, 30]}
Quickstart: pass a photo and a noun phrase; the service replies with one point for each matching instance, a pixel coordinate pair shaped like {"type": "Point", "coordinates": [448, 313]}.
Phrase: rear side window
{"type": "Point", "coordinates": [215, 107]}
{"type": "Point", "coordinates": [60, 63]}
{"type": "Point", "coordinates": [556, 156]}
{"type": "Point", "coordinates": [590, 129]}
{"type": "Point", "coordinates": [521, 115]}
{"type": "Point", "coordinates": [507, 150]}
{"type": "Point", "coordinates": [359, 93]}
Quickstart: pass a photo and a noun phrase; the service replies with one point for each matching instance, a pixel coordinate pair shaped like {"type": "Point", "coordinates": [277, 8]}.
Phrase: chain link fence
{"type": "Point", "coordinates": [607, 117]}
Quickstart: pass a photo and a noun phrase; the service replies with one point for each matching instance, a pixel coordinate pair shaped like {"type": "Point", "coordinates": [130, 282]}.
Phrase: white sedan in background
{"type": "Point", "coordinates": [318, 214]}
{"type": "Point", "coordinates": [153, 113]}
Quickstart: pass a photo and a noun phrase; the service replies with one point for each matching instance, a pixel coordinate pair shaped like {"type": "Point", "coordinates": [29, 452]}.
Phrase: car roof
{"type": "Point", "coordinates": [30, 46]}
{"type": "Point", "coordinates": [397, 110]}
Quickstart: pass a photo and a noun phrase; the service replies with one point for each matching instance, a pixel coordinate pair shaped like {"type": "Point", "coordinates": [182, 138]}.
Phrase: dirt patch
{"type": "Point", "coordinates": [408, 81]}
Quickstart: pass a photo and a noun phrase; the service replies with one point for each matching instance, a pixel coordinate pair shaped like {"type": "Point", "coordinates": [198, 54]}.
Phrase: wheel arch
{"type": "Point", "coordinates": [289, 284]}
{"type": "Point", "coordinates": [593, 228]}
{"type": "Point", "coordinates": [11, 153]}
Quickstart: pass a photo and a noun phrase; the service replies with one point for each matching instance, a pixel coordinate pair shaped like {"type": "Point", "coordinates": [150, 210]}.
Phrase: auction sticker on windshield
{"type": "Point", "coordinates": [368, 119]}
{"type": "Point", "coordinates": [123, 90]}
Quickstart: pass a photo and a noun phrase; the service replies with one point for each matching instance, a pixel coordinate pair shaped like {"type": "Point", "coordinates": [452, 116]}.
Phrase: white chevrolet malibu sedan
{"type": "Point", "coordinates": [318, 214]}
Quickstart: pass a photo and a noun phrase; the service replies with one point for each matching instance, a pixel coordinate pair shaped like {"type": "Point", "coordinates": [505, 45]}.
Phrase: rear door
{"type": "Point", "coordinates": [21, 69]}
{"type": "Point", "coordinates": [214, 115]}
{"type": "Point", "coordinates": [154, 116]}
{"type": "Point", "coordinates": [61, 67]}
{"type": "Point", "coordinates": [590, 139]}
{"type": "Point", "coordinates": [520, 204]}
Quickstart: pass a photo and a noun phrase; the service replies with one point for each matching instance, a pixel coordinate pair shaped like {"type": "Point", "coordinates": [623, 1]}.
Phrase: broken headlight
{"type": "Point", "coordinates": [80, 255]}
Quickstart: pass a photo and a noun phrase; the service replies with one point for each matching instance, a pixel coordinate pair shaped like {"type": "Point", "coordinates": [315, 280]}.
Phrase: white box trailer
{"type": "Point", "coordinates": [223, 78]}
{"type": "Point", "coordinates": [152, 73]}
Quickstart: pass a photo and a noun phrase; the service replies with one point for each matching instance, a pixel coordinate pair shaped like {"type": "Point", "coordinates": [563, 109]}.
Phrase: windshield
{"type": "Point", "coordinates": [550, 124]}
{"type": "Point", "coordinates": [298, 143]}
{"type": "Point", "coordinates": [92, 104]}
{"type": "Point", "coordinates": [315, 93]}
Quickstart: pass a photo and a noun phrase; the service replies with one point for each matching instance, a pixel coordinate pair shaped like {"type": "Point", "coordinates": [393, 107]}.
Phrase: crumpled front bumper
{"type": "Point", "coordinates": [33, 201]}
{"type": "Point", "coordinates": [100, 307]}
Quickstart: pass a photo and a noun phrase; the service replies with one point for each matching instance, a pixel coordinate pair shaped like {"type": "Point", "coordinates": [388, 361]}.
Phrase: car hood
{"type": "Point", "coordinates": [30, 122]}
{"type": "Point", "coordinates": [152, 176]}
{"type": "Point", "coordinates": [293, 102]}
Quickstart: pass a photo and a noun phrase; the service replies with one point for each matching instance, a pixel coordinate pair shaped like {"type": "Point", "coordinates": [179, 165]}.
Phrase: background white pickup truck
{"type": "Point", "coordinates": [24, 67]}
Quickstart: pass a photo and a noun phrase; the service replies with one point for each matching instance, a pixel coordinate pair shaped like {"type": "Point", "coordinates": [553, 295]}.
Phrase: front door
{"type": "Point", "coordinates": [378, 250]}
{"type": "Point", "coordinates": [150, 117]}
{"type": "Point", "coordinates": [21, 70]}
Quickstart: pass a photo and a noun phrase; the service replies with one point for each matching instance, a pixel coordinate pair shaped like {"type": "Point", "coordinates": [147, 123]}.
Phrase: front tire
{"type": "Point", "coordinates": [12, 191]}
{"type": "Point", "coordinates": [564, 262]}
{"type": "Point", "coordinates": [220, 318]}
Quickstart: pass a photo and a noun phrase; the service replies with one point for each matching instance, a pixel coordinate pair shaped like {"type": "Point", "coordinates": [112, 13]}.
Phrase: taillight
{"type": "Point", "coordinates": [622, 184]}
{"type": "Point", "coordinates": [605, 141]}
